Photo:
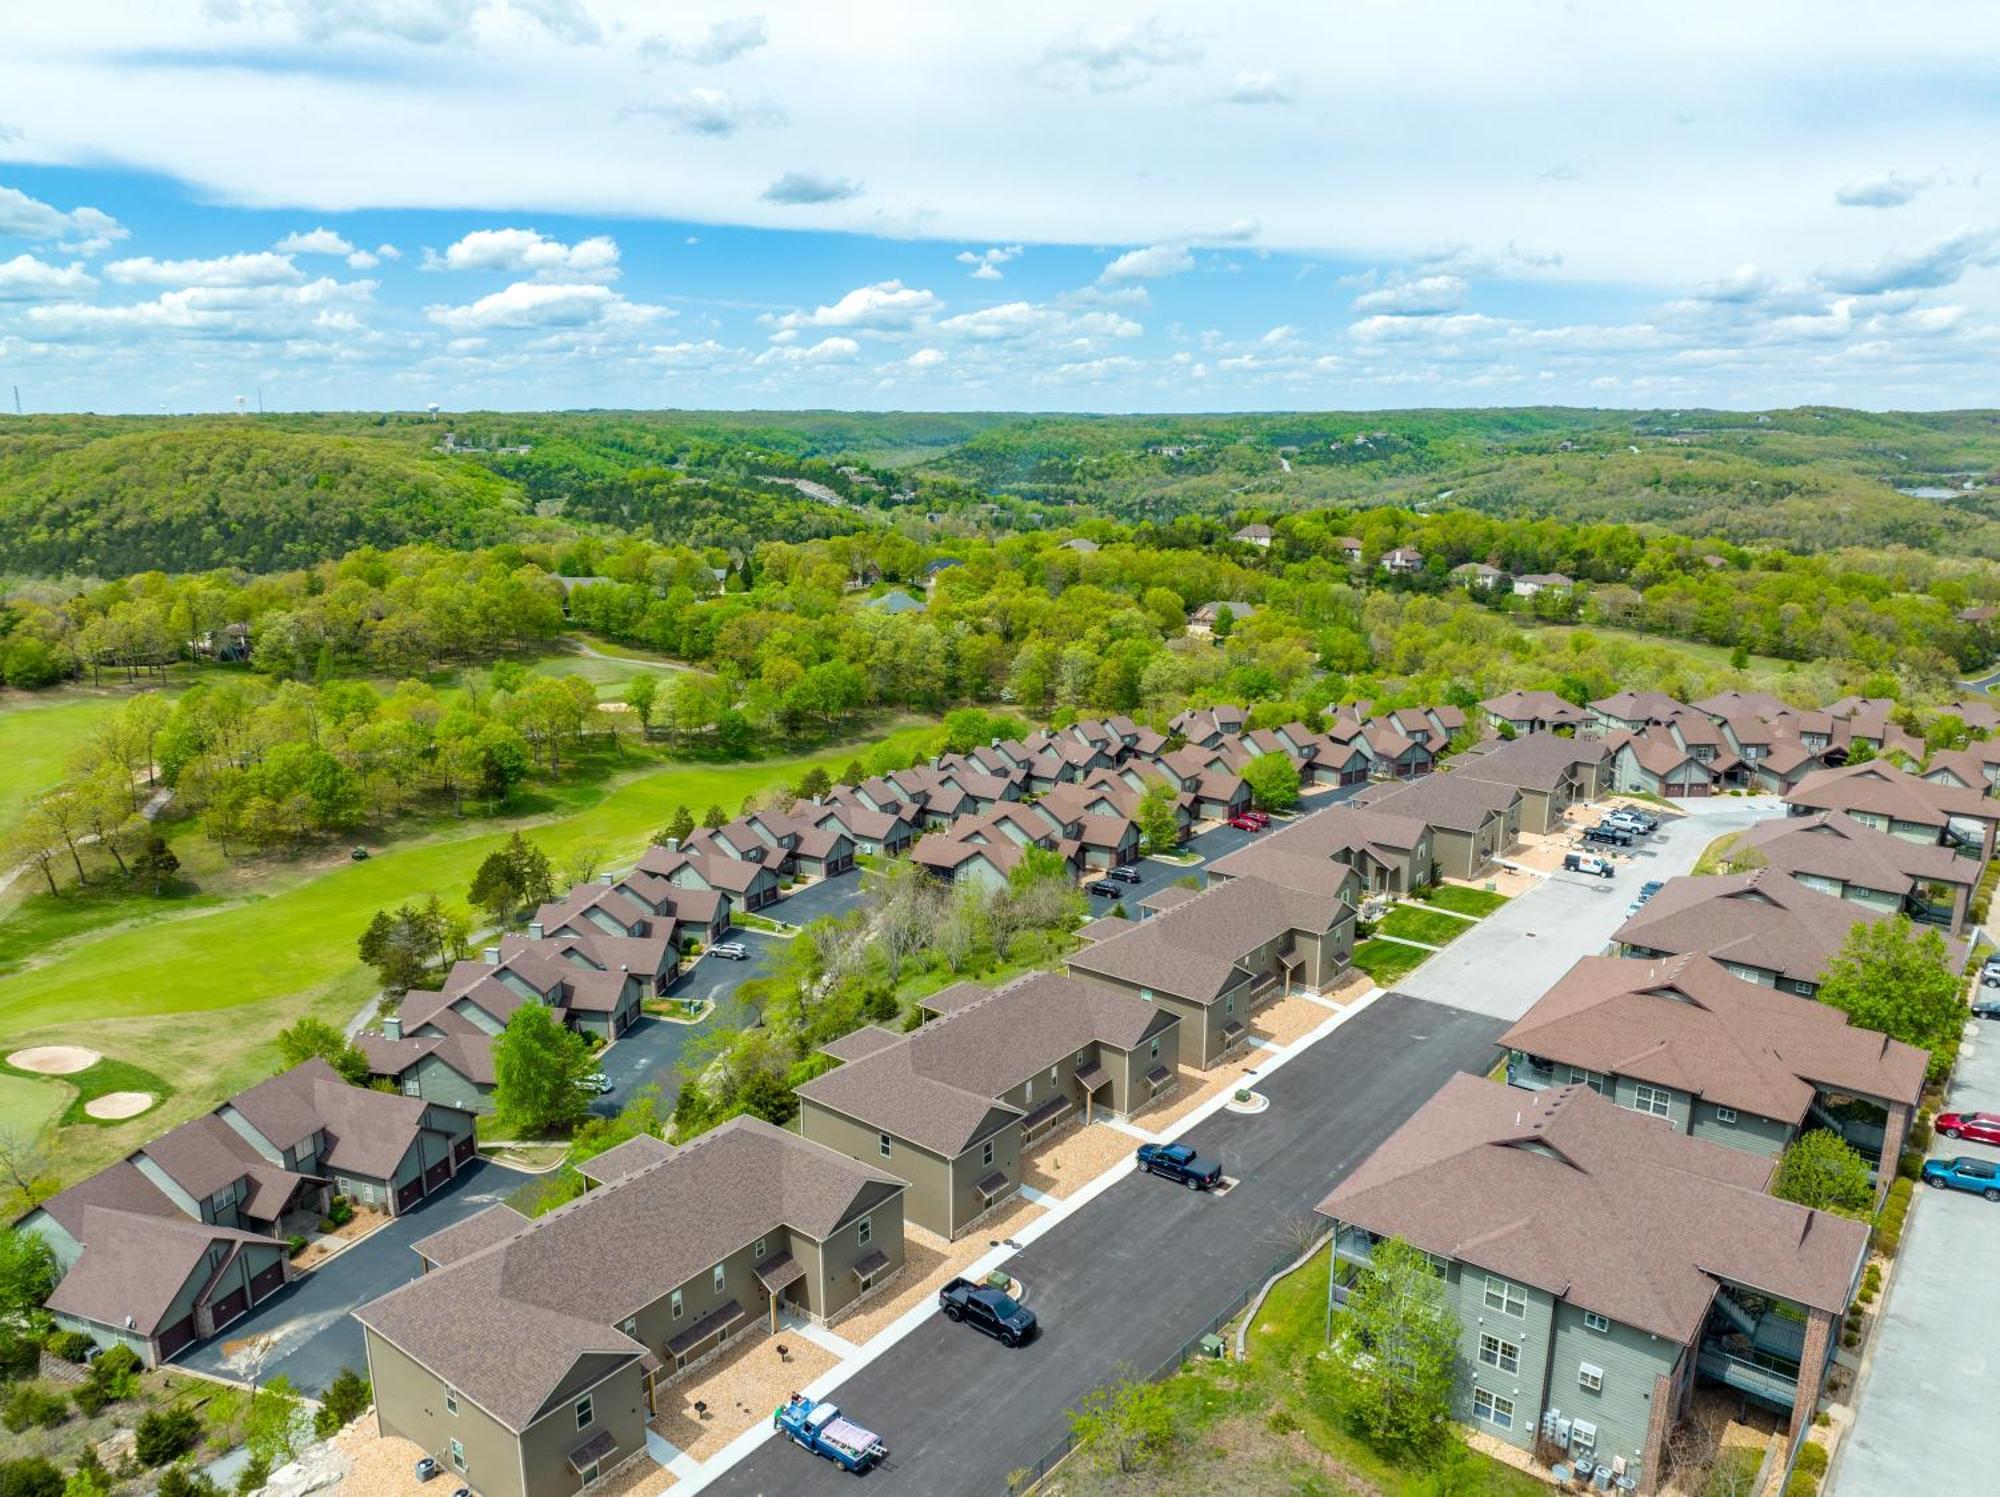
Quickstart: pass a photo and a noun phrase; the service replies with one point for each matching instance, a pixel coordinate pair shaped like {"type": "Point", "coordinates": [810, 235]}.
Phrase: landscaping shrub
{"type": "Point", "coordinates": [71, 1346]}
{"type": "Point", "coordinates": [1802, 1484]}
{"type": "Point", "coordinates": [294, 1245]}
{"type": "Point", "coordinates": [340, 1211]}
{"type": "Point", "coordinates": [179, 1481]}
{"type": "Point", "coordinates": [256, 1471]}
{"type": "Point", "coordinates": [1812, 1458]}
{"type": "Point", "coordinates": [30, 1477]}
{"type": "Point", "coordinates": [113, 1378]}
{"type": "Point", "coordinates": [165, 1435]}
{"type": "Point", "coordinates": [31, 1406]}
{"type": "Point", "coordinates": [19, 1355]}
{"type": "Point", "coordinates": [346, 1396]}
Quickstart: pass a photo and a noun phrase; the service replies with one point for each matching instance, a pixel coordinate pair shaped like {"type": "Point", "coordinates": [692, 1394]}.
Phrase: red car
{"type": "Point", "coordinates": [1248, 822]}
{"type": "Point", "coordinates": [1980, 1127]}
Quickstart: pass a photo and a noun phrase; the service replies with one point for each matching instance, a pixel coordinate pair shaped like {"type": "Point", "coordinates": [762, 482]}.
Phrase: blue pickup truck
{"type": "Point", "coordinates": [991, 1310]}
{"type": "Point", "coordinates": [1179, 1162]}
{"type": "Point", "coordinates": [819, 1427]}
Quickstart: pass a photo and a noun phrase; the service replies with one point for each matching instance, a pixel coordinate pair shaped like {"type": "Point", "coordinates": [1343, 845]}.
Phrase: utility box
{"type": "Point", "coordinates": [1211, 1346]}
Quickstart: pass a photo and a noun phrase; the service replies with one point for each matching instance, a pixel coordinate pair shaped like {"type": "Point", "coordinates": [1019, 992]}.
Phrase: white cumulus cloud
{"type": "Point", "coordinates": [23, 217]}
{"type": "Point", "coordinates": [314, 242]}
{"type": "Point", "coordinates": [542, 304]}
{"type": "Point", "coordinates": [261, 268]}
{"type": "Point", "coordinates": [24, 278]}
{"type": "Point", "coordinates": [986, 263]}
{"type": "Point", "coordinates": [712, 112]}
{"type": "Point", "coordinates": [1423, 295]}
{"type": "Point", "coordinates": [886, 306]}
{"type": "Point", "coordinates": [1151, 264]}
{"type": "Point", "coordinates": [529, 251]}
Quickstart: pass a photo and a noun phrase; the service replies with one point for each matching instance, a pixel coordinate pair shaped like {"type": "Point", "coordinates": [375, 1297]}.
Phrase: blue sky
{"type": "Point", "coordinates": [537, 203]}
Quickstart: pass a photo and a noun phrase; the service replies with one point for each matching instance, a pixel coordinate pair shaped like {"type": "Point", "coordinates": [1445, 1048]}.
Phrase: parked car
{"type": "Point", "coordinates": [730, 951]}
{"type": "Point", "coordinates": [1649, 888]}
{"type": "Point", "coordinates": [1627, 824]}
{"type": "Point", "coordinates": [1645, 819]}
{"type": "Point", "coordinates": [1980, 1176]}
{"type": "Point", "coordinates": [1123, 874]}
{"type": "Point", "coordinates": [1179, 1162]}
{"type": "Point", "coordinates": [596, 1082]}
{"type": "Point", "coordinates": [1604, 834]}
{"type": "Point", "coordinates": [1980, 1127]}
{"type": "Point", "coordinates": [1262, 818]}
{"type": "Point", "coordinates": [1989, 974]}
{"type": "Point", "coordinates": [1583, 862]}
{"type": "Point", "coordinates": [985, 1308]}
{"type": "Point", "coordinates": [1245, 823]}
{"type": "Point", "coordinates": [1104, 889]}
{"type": "Point", "coordinates": [1986, 1008]}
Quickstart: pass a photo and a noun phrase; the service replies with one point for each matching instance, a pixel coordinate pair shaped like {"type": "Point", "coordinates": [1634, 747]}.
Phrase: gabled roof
{"type": "Point", "coordinates": [1764, 919]}
{"type": "Point", "coordinates": [1499, 1180]}
{"type": "Point", "coordinates": [1834, 845]}
{"type": "Point", "coordinates": [1534, 761]}
{"type": "Point", "coordinates": [1685, 1022]}
{"type": "Point", "coordinates": [1195, 949]}
{"type": "Point", "coordinates": [367, 1132]}
{"type": "Point", "coordinates": [1457, 803]}
{"type": "Point", "coordinates": [939, 1086]}
{"type": "Point", "coordinates": [1888, 791]}
{"type": "Point", "coordinates": [1638, 706]}
{"type": "Point", "coordinates": [1527, 706]}
{"type": "Point", "coordinates": [507, 1324]}
{"type": "Point", "coordinates": [137, 1265]}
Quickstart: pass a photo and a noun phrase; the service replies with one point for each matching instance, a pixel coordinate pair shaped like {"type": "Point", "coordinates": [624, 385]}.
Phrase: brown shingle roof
{"type": "Point", "coordinates": [1499, 1180]}
{"type": "Point", "coordinates": [137, 1265]}
{"type": "Point", "coordinates": [1687, 1023]}
{"type": "Point", "coordinates": [464, 1238]}
{"type": "Point", "coordinates": [507, 1324]}
{"type": "Point", "coordinates": [1534, 761]}
{"type": "Point", "coordinates": [938, 1086]}
{"type": "Point", "coordinates": [1888, 791]}
{"type": "Point", "coordinates": [1457, 803]}
{"type": "Point", "coordinates": [1832, 844]}
{"type": "Point", "coordinates": [367, 1132]}
{"type": "Point", "coordinates": [1194, 949]}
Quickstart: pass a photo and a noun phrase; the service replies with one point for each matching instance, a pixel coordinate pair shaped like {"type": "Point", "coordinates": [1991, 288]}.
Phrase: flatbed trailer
{"type": "Point", "coordinates": [819, 1427]}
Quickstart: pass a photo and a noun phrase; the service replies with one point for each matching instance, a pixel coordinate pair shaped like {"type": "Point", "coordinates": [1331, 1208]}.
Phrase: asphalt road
{"type": "Point", "coordinates": [1120, 1286]}
{"type": "Point", "coordinates": [1506, 962]}
{"type": "Point", "coordinates": [1924, 1391]}
{"type": "Point", "coordinates": [307, 1322]}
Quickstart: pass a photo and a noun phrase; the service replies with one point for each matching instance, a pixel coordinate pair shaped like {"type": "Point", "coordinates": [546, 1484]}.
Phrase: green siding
{"type": "Point", "coordinates": [1754, 1134]}
{"type": "Point", "coordinates": [1630, 1360]}
{"type": "Point", "coordinates": [438, 1082]}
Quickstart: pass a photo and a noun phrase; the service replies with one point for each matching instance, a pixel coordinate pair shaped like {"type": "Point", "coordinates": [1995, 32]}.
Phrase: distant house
{"type": "Point", "coordinates": [1201, 623]}
{"type": "Point", "coordinates": [1833, 853]}
{"type": "Point", "coordinates": [1983, 614]}
{"type": "Point", "coordinates": [938, 568]}
{"type": "Point", "coordinates": [1081, 544]}
{"type": "Point", "coordinates": [1551, 772]}
{"type": "Point", "coordinates": [1892, 800]}
{"type": "Point", "coordinates": [1533, 712]}
{"type": "Point", "coordinates": [1477, 574]}
{"type": "Point", "coordinates": [1348, 546]}
{"type": "Point", "coordinates": [1634, 711]}
{"type": "Point", "coordinates": [1403, 560]}
{"type": "Point", "coordinates": [1542, 582]}
{"type": "Point", "coordinates": [1389, 853]}
{"type": "Point", "coordinates": [1254, 535]}
{"type": "Point", "coordinates": [1656, 762]}
{"type": "Point", "coordinates": [1472, 821]}
{"type": "Point", "coordinates": [895, 601]}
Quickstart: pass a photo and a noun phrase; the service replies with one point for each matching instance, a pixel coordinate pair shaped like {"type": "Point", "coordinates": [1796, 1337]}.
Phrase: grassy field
{"type": "Point", "coordinates": [1476, 902]}
{"type": "Point", "coordinates": [37, 735]}
{"type": "Point", "coordinates": [199, 997]}
{"type": "Point", "coordinates": [28, 1106]}
{"type": "Point", "coordinates": [1387, 961]}
{"type": "Point", "coordinates": [1708, 655]}
{"type": "Point", "coordinates": [1432, 927]}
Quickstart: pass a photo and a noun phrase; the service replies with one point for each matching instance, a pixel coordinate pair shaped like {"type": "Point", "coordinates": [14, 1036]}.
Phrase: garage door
{"type": "Point", "coordinates": [230, 1306]}
{"type": "Point", "coordinates": [408, 1195]}
{"type": "Point", "coordinates": [267, 1283]}
{"type": "Point", "coordinates": [1701, 789]}
{"type": "Point", "coordinates": [1676, 792]}
{"type": "Point", "coordinates": [463, 1149]}
{"type": "Point", "coordinates": [436, 1175]}
{"type": "Point", "coordinates": [176, 1336]}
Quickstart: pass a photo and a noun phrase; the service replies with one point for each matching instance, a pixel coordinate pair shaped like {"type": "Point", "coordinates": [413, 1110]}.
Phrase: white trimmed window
{"type": "Point", "coordinates": [757, 1252]}
{"type": "Point", "coordinates": [1725, 1114]}
{"type": "Point", "coordinates": [1592, 1321]}
{"type": "Point", "coordinates": [864, 1233]}
{"type": "Point", "coordinates": [882, 1145]}
{"type": "Point", "coordinates": [718, 1280]}
{"type": "Point", "coordinates": [584, 1412]}
{"type": "Point", "coordinates": [1504, 1355]}
{"type": "Point", "coordinates": [1582, 1437]}
{"type": "Point", "coordinates": [1654, 1100]}
{"type": "Point", "coordinates": [1580, 1077]}
{"type": "Point", "coordinates": [451, 1400]}
{"type": "Point", "coordinates": [1590, 1377]}
{"type": "Point", "coordinates": [1492, 1409]}
{"type": "Point", "coordinates": [630, 1326]}
{"type": "Point", "coordinates": [986, 1152]}
{"type": "Point", "coordinates": [678, 1306]}
{"type": "Point", "coordinates": [457, 1456]}
{"type": "Point", "coordinates": [1508, 1299]}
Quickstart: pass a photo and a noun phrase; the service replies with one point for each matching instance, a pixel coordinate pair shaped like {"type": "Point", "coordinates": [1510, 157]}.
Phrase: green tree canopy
{"type": "Point", "coordinates": [1395, 1355]}
{"type": "Point", "coordinates": [1818, 1168]}
{"type": "Point", "coordinates": [312, 1038]}
{"type": "Point", "coordinates": [1274, 782]}
{"type": "Point", "coordinates": [1892, 977]}
{"type": "Point", "coordinates": [512, 877]}
{"type": "Point", "coordinates": [28, 1274]}
{"type": "Point", "coordinates": [1159, 821]}
{"type": "Point", "coordinates": [537, 1065]}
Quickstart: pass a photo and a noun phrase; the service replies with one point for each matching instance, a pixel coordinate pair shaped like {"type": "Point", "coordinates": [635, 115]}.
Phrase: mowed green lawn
{"type": "Point", "coordinates": [304, 936]}
{"type": "Point", "coordinates": [27, 1107]}
{"type": "Point", "coordinates": [37, 736]}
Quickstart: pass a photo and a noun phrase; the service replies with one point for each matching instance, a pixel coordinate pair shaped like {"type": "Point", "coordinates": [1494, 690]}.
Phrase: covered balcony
{"type": "Point", "coordinates": [1753, 1344]}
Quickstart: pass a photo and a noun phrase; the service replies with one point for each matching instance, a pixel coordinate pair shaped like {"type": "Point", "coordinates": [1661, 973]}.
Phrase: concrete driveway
{"type": "Point", "coordinates": [1923, 1393]}
{"type": "Point", "coordinates": [1500, 967]}
{"type": "Point", "coordinates": [308, 1323]}
{"type": "Point", "coordinates": [1120, 1286]}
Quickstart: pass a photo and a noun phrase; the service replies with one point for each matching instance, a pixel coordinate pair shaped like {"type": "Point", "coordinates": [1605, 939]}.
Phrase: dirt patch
{"type": "Point", "coordinates": [384, 1465]}
{"type": "Point", "coordinates": [739, 1389]}
{"type": "Point", "coordinates": [54, 1060]}
{"type": "Point", "coordinates": [365, 1220]}
{"type": "Point", "coordinates": [1075, 1157]}
{"type": "Point", "coordinates": [1196, 1087]}
{"type": "Point", "coordinates": [928, 1263]}
{"type": "Point", "coordinates": [118, 1105]}
{"type": "Point", "coordinates": [1353, 984]}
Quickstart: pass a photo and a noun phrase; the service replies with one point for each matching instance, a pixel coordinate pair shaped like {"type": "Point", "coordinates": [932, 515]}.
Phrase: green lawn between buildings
{"type": "Point", "coordinates": [1252, 1426]}
{"type": "Point", "coordinates": [200, 997]}
{"type": "Point", "coordinates": [1387, 961]}
{"type": "Point", "coordinates": [1432, 927]}
{"type": "Point", "coordinates": [1478, 903]}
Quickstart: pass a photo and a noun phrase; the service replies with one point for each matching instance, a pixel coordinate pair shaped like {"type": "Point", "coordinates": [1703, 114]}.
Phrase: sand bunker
{"type": "Point", "coordinates": [113, 1105]}
{"type": "Point", "coordinates": [54, 1060]}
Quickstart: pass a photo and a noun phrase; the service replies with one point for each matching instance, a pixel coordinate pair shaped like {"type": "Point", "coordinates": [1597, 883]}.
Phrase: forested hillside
{"type": "Point", "coordinates": [108, 496]}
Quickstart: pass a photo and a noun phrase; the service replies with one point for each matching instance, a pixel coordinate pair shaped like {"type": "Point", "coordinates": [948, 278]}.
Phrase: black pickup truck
{"type": "Point", "coordinates": [993, 1311]}
{"type": "Point", "coordinates": [1179, 1162]}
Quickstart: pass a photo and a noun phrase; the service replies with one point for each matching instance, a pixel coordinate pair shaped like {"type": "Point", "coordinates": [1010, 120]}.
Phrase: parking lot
{"type": "Point", "coordinates": [1120, 1286]}
{"type": "Point", "coordinates": [1923, 1392]}
{"type": "Point", "coordinates": [1516, 954]}
{"type": "Point", "coordinates": [305, 1330]}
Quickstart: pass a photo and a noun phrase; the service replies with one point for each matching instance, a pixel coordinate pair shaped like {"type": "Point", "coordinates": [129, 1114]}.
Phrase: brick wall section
{"type": "Point", "coordinates": [1658, 1422]}
{"type": "Point", "coordinates": [1895, 1133]}
{"type": "Point", "coordinates": [1812, 1371]}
